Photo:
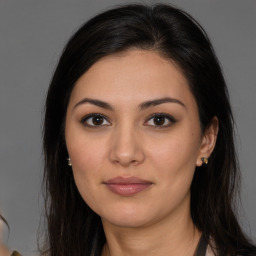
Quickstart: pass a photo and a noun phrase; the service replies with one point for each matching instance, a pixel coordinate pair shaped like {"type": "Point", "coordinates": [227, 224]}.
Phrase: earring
{"type": "Point", "coordinates": [204, 160]}
{"type": "Point", "coordinates": [69, 162]}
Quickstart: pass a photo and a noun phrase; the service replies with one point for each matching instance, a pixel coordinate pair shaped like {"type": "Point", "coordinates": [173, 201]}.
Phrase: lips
{"type": "Point", "coordinates": [127, 186]}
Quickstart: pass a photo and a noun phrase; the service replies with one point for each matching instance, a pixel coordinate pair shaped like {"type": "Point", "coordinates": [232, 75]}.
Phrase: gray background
{"type": "Point", "coordinates": [32, 35]}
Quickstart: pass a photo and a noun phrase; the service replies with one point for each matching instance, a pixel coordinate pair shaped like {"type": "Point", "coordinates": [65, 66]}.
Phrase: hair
{"type": "Point", "coordinates": [73, 228]}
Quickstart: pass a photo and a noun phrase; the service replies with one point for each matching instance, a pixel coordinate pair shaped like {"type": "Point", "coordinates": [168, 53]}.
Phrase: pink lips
{"type": "Point", "coordinates": [127, 186]}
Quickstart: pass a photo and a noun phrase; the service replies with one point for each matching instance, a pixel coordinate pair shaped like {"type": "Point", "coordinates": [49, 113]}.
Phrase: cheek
{"type": "Point", "coordinates": [175, 150]}
{"type": "Point", "coordinates": [86, 168]}
{"type": "Point", "coordinates": [86, 153]}
{"type": "Point", "coordinates": [175, 165]}
{"type": "Point", "coordinates": [87, 159]}
{"type": "Point", "coordinates": [175, 158]}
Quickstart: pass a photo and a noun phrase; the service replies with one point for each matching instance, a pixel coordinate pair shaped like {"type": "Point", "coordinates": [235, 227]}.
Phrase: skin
{"type": "Point", "coordinates": [4, 251]}
{"type": "Point", "coordinates": [129, 142]}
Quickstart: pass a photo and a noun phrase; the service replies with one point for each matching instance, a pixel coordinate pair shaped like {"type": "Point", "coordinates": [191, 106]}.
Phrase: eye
{"type": "Point", "coordinates": [94, 120]}
{"type": "Point", "coordinates": [160, 120]}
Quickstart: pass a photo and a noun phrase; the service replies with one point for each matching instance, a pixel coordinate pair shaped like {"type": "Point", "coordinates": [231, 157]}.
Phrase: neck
{"type": "Point", "coordinates": [177, 236]}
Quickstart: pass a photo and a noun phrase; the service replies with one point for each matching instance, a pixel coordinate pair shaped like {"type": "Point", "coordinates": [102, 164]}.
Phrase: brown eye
{"type": "Point", "coordinates": [94, 120]}
{"type": "Point", "coordinates": [97, 120]}
{"type": "Point", "coordinates": [160, 120]}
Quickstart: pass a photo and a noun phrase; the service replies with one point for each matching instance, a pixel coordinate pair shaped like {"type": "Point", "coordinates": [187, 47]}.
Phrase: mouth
{"type": "Point", "coordinates": [127, 186]}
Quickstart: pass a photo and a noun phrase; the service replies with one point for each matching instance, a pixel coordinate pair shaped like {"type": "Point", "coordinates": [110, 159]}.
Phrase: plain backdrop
{"type": "Point", "coordinates": [32, 35]}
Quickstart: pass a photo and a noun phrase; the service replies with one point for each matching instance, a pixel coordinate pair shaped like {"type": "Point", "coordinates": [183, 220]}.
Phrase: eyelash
{"type": "Point", "coordinates": [85, 119]}
{"type": "Point", "coordinates": [170, 119]}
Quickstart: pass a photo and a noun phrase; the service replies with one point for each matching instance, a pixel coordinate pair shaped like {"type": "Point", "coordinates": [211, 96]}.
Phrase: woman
{"type": "Point", "coordinates": [139, 108]}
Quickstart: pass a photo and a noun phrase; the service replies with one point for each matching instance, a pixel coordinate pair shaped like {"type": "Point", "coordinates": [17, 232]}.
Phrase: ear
{"type": "Point", "coordinates": [208, 140]}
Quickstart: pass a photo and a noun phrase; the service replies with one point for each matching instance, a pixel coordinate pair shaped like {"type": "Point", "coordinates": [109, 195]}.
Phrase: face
{"type": "Point", "coordinates": [133, 135]}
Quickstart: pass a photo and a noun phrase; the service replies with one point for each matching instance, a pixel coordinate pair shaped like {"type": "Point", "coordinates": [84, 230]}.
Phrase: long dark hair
{"type": "Point", "coordinates": [73, 228]}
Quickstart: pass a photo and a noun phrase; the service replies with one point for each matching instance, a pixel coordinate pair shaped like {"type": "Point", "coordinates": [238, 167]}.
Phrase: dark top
{"type": "Point", "coordinates": [201, 247]}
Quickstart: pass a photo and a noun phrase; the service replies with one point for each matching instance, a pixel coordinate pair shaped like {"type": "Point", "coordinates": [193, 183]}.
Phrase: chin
{"type": "Point", "coordinates": [128, 218]}
{"type": "Point", "coordinates": [126, 222]}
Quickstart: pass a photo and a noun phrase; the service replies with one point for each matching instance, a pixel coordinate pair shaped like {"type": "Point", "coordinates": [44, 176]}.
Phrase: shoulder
{"type": "Point", "coordinates": [210, 252]}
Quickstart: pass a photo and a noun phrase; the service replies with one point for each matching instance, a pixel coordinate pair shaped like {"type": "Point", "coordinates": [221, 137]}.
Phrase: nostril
{"type": "Point", "coordinates": [127, 162]}
{"type": "Point", "coordinates": [134, 162]}
{"type": "Point", "coordinates": [126, 150]}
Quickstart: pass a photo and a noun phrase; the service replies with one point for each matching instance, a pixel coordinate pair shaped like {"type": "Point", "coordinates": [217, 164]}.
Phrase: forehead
{"type": "Point", "coordinates": [134, 74]}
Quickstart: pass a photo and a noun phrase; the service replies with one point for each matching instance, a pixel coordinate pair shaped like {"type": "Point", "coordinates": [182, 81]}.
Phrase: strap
{"type": "Point", "coordinates": [201, 247]}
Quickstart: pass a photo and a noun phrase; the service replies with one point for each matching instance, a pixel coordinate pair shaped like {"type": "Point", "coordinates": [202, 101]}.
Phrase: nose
{"type": "Point", "coordinates": [126, 147]}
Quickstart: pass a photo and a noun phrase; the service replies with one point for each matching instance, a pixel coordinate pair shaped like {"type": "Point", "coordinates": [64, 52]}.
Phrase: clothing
{"type": "Point", "coordinates": [15, 253]}
{"type": "Point", "coordinates": [203, 248]}
{"type": "Point", "coordinates": [209, 251]}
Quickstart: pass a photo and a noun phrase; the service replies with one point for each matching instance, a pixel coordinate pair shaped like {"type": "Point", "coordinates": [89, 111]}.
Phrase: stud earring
{"type": "Point", "coordinates": [204, 160]}
{"type": "Point", "coordinates": [69, 162]}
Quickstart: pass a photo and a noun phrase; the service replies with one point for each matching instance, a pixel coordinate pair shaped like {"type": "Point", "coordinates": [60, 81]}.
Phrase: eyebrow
{"type": "Point", "coordinates": [95, 102]}
{"type": "Point", "coordinates": [152, 103]}
{"type": "Point", "coordinates": [142, 106]}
